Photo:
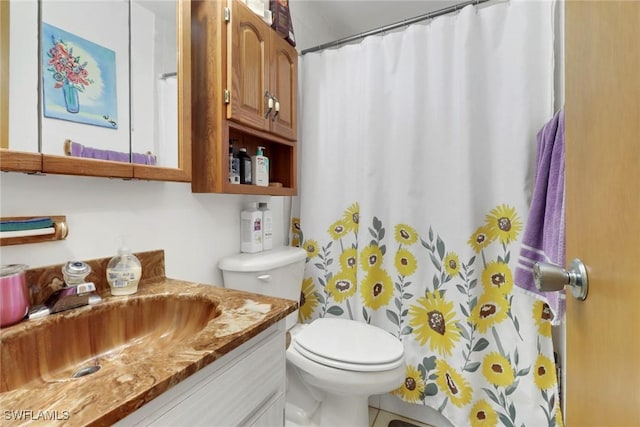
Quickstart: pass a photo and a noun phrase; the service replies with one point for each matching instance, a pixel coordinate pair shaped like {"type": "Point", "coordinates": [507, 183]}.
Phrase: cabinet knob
{"type": "Point", "coordinates": [277, 106]}
{"type": "Point", "coordinates": [269, 103]}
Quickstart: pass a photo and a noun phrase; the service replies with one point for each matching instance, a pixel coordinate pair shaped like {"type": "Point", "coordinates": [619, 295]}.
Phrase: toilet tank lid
{"type": "Point", "coordinates": [261, 261]}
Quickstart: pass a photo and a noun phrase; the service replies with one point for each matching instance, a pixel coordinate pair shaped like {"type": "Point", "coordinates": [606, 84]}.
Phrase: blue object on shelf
{"type": "Point", "coordinates": [26, 224]}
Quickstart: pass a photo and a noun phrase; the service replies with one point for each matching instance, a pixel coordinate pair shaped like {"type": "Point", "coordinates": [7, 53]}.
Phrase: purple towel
{"type": "Point", "coordinates": [76, 149]}
{"type": "Point", "coordinates": [544, 234]}
{"type": "Point", "coordinates": [79, 150]}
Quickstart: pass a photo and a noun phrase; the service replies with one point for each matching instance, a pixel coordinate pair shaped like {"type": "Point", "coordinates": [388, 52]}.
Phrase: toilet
{"type": "Point", "coordinates": [333, 364]}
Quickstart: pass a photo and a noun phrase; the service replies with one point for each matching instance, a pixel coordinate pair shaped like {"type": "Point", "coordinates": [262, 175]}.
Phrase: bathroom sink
{"type": "Point", "coordinates": [113, 333]}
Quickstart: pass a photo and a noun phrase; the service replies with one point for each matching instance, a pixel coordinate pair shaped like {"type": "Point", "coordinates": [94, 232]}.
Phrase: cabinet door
{"type": "Point", "coordinates": [249, 68]}
{"type": "Point", "coordinates": [283, 69]}
{"type": "Point", "coordinates": [245, 387]}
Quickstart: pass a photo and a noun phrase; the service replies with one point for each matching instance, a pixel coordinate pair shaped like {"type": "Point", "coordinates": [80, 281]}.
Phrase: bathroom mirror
{"type": "Point", "coordinates": [98, 64]}
{"type": "Point", "coordinates": [160, 90]}
{"type": "Point", "coordinates": [18, 85]}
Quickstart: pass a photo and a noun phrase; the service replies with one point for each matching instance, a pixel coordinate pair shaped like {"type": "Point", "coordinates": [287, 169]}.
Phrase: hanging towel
{"type": "Point", "coordinates": [544, 233]}
{"type": "Point", "coordinates": [26, 224]}
{"type": "Point", "coordinates": [78, 150]}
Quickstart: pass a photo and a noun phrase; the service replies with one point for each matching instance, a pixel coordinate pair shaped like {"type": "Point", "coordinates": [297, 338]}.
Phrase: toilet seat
{"type": "Point", "coordinates": [349, 345]}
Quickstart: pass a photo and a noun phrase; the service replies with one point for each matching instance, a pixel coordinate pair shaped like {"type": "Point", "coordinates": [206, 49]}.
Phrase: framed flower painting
{"type": "Point", "coordinates": [78, 79]}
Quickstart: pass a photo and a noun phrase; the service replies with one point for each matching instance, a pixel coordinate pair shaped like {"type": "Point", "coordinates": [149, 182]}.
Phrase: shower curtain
{"type": "Point", "coordinates": [417, 151]}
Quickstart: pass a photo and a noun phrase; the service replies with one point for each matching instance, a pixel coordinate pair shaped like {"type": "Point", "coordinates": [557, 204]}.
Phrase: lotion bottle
{"type": "Point", "coordinates": [267, 226]}
{"type": "Point", "coordinates": [123, 272]}
{"type": "Point", "coordinates": [251, 229]}
{"type": "Point", "coordinates": [260, 168]}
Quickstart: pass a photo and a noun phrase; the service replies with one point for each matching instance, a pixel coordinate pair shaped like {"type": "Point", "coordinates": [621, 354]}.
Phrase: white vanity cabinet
{"type": "Point", "coordinates": [245, 387]}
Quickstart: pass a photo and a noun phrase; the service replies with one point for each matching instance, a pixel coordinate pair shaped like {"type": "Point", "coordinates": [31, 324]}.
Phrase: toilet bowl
{"type": "Point", "coordinates": [333, 364]}
{"type": "Point", "coordinates": [346, 362]}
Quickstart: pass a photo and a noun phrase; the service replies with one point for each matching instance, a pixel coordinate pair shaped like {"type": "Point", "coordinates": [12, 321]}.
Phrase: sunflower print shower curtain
{"type": "Point", "coordinates": [417, 156]}
{"type": "Point", "coordinates": [455, 305]}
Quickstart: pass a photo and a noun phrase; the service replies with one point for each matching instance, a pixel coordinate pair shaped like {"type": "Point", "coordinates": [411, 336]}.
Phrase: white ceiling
{"type": "Point", "coordinates": [321, 21]}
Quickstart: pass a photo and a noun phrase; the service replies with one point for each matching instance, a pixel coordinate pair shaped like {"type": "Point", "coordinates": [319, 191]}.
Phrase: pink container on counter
{"type": "Point", "coordinates": [14, 294]}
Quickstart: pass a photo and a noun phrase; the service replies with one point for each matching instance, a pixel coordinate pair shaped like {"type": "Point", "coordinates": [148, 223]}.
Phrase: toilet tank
{"type": "Point", "coordinates": [277, 273]}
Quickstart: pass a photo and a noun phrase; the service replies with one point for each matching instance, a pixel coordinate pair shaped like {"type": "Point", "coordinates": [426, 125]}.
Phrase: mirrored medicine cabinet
{"type": "Point", "coordinates": [98, 88]}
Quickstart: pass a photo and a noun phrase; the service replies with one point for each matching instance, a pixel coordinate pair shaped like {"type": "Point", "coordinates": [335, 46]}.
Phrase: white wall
{"type": "Point", "coordinates": [195, 230]}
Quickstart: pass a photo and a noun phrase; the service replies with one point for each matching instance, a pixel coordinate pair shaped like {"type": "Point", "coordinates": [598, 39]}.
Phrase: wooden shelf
{"type": "Point", "coordinates": [19, 161]}
{"type": "Point", "coordinates": [254, 189]}
{"type": "Point", "coordinates": [86, 167]}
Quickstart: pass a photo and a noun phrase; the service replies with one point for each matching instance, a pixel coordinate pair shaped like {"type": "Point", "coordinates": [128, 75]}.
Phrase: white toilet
{"type": "Point", "coordinates": [333, 365]}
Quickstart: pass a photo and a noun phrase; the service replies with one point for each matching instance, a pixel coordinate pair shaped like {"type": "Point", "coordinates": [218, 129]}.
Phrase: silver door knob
{"type": "Point", "coordinates": [551, 277]}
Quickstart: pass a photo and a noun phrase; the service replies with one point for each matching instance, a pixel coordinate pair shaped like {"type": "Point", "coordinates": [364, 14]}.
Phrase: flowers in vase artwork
{"type": "Point", "coordinates": [68, 73]}
{"type": "Point", "coordinates": [79, 79]}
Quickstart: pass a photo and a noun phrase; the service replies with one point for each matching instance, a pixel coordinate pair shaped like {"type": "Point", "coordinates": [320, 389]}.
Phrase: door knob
{"type": "Point", "coordinates": [550, 277]}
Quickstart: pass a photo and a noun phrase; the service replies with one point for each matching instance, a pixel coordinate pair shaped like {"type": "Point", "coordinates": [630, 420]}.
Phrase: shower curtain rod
{"type": "Point", "coordinates": [394, 26]}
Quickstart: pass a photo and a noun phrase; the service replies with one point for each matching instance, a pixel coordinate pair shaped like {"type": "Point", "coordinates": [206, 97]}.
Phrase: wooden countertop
{"type": "Point", "coordinates": [129, 379]}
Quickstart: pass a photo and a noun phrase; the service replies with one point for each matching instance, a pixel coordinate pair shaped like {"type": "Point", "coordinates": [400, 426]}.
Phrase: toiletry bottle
{"type": "Point", "coordinates": [75, 273]}
{"type": "Point", "coordinates": [251, 229]}
{"type": "Point", "coordinates": [267, 226]}
{"type": "Point", "coordinates": [260, 168]}
{"type": "Point", "coordinates": [234, 165]}
{"type": "Point", "coordinates": [123, 272]}
{"type": "Point", "coordinates": [245, 166]}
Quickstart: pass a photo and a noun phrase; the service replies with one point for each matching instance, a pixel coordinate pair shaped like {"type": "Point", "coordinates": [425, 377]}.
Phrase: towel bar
{"type": "Point", "coordinates": [58, 231]}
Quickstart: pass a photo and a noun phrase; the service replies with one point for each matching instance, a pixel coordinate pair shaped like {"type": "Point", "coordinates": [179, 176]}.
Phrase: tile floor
{"type": "Point", "coordinates": [380, 418]}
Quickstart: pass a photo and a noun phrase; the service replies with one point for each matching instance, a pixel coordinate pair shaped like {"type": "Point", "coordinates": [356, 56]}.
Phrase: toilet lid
{"type": "Point", "coordinates": [347, 344]}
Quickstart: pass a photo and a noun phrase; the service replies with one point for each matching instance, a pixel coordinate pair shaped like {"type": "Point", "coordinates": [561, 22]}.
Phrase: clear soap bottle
{"type": "Point", "coordinates": [123, 272]}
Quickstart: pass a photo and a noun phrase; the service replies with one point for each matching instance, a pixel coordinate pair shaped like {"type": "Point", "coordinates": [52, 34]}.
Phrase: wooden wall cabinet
{"type": "Point", "coordinates": [241, 68]}
{"type": "Point", "coordinates": [264, 70]}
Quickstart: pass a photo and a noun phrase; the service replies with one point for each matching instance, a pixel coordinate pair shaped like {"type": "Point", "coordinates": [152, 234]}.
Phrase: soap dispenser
{"type": "Point", "coordinates": [123, 272]}
{"type": "Point", "coordinates": [260, 168]}
{"type": "Point", "coordinates": [251, 229]}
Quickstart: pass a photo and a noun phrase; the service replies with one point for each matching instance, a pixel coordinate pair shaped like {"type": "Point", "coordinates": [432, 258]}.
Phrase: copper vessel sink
{"type": "Point", "coordinates": [113, 334]}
